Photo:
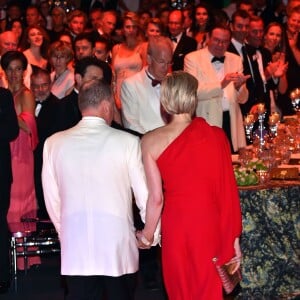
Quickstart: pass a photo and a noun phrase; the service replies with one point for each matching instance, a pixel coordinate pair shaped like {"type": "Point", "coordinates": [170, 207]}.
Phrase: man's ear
{"type": "Point", "coordinates": [149, 59]}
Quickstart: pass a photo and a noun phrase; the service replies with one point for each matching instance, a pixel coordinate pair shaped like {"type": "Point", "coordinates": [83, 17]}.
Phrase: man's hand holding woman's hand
{"type": "Point", "coordinates": [142, 241]}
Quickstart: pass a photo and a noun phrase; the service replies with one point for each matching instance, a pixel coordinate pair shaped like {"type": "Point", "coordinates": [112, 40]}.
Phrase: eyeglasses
{"type": "Point", "coordinates": [162, 62]}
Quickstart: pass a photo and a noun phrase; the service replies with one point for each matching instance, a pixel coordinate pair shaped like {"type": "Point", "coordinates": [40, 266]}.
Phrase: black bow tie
{"type": "Point", "coordinates": [173, 39]}
{"type": "Point", "coordinates": [39, 102]}
{"type": "Point", "coordinates": [220, 59]}
{"type": "Point", "coordinates": [154, 82]}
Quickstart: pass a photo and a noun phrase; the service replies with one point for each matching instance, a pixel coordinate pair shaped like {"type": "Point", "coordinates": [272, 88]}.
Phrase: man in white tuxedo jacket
{"type": "Point", "coordinates": [221, 85]}
{"type": "Point", "coordinates": [140, 93]}
{"type": "Point", "coordinates": [89, 173]}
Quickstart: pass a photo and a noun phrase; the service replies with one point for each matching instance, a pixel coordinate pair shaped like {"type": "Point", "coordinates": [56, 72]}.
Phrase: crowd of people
{"type": "Point", "coordinates": [106, 68]}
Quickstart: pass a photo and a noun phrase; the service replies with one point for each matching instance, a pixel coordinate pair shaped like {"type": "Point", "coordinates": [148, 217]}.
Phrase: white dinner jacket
{"type": "Point", "coordinates": [140, 103]}
{"type": "Point", "coordinates": [88, 173]}
{"type": "Point", "coordinates": [210, 93]}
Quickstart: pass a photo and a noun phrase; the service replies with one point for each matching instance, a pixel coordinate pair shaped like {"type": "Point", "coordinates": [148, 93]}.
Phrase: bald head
{"type": "Point", "coordinates": [159, 43]}
{"type": "Point", "coordinates": [8, 42]}
{"type": "Point", "coordinates": [159, 56]}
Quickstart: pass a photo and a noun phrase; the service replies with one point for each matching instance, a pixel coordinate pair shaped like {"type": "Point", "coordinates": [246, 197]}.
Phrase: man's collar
{"type": "Point", "coordinates": [236, 43]}
{"type": "Point", "coordinates": [178, 36]}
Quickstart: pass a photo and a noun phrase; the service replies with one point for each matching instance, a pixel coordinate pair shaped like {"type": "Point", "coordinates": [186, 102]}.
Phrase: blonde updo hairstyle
{"type": "Point", "coordinates": [179, 93]}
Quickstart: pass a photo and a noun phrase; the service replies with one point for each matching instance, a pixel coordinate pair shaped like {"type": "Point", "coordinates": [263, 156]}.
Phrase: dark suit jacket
{"type": "Point", "coordinates": [9, 130]}
{"type": "Point", "coordinates": [68, 112]}
{"type": "Point", "coordinates": [185, 45]}
{"type": "Point", "coordinates": [55, 115]}
{"type": "Point", "coordinates": [257, 92]}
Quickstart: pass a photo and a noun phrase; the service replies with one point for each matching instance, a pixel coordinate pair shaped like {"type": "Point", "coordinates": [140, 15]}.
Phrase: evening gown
{"type": "Point", "coordinates": [124, 67]}
{"type": "Point", "coordinates": [23, 200]}
{"type": "Point", "coordinates": [201, 215]}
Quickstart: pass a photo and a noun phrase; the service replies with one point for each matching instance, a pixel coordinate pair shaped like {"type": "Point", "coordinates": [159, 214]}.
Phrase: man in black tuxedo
{"type": "Point", "coordinates": [106, 27]}
{"type": "Point", "coordinates": [53, 115]}
{"type": "Point", "coordinates": [270, 71]}
{"type": "Point", "coordinates": [86, 69]}
{"type": "Point", "coordinates": [182, 44]}
{"type": "Point", "coordinates": [47, 124]}
{"type": "Point", "coordinates": [9, 130]}
{"type": "Point", "coordinates": [255, 85]}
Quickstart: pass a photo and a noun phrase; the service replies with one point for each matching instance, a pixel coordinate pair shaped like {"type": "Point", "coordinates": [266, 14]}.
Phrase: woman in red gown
{"type": "Point", "coordinates": [192, 187]}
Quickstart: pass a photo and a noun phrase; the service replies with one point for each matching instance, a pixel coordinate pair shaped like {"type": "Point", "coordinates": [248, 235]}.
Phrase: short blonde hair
{"type": "Point", "coordinates": [178, 94]}
{"type": "Point", "coordinates": [60, 47]}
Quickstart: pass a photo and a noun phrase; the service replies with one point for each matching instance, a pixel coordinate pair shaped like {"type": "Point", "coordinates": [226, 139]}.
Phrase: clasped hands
{"type": "Point", "coordinates": [142, 241]}
{"type": "Point", "coordinates": [237, 78]}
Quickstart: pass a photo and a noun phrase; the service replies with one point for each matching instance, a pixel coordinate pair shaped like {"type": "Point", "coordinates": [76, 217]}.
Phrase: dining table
{"type": "Point", "coordinates": [270, 240]}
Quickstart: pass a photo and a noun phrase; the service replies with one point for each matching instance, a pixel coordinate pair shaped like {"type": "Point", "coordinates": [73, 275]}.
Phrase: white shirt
{"type": "Point", "coordinates": [219, 68]}
{"type": "Point", "coordinates": [238, 46]}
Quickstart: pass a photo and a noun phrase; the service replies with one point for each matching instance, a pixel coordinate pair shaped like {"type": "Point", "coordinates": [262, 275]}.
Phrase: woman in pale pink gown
{"type": "Point", "coordinates": [23, 201]}
{"type": "Point", "coordinates": [127, 57]}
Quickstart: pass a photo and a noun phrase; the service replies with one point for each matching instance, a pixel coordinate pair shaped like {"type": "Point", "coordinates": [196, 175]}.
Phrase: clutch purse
{"type": "Point", "coordinates": [229, 279]}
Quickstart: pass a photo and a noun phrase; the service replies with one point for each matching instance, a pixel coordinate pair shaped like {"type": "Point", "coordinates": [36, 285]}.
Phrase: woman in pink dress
{"type": "Point", "coordinates": [127, 57]}
{"type": "Point", "coordinates": [23, 201]}
{"type": "Point", "coordinates": [192, 187]}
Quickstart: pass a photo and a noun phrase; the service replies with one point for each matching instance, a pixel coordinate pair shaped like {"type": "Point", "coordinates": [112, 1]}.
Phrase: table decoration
{"type": "Point", "coordinates": [295, 98]}
{"type": "Point", "coordinates": [249, 121]}
{"type": "Point", "coordinates": [248, 174]}
{"type": "Point", "coordinates": [274, 119]}
{"type": "Point", "coordinates": [261, 131]}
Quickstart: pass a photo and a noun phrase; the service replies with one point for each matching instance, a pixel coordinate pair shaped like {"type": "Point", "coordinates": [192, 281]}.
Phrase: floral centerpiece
{"type": "Point", "coordinates": [246, 175]}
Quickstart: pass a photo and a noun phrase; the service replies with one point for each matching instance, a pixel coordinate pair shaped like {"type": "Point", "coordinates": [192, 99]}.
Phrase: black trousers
{"type": "Point", "coordinates": [101, 287]}
{"type": "Point", "coordinates": [226, 127]}
{"type": "Point", "coordinates": [4, 233]}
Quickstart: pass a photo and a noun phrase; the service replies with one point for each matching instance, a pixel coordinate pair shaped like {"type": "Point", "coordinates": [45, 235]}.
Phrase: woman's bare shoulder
{"type": "Point", "coordinates": [26, 96]}
{"type": "Point", "coordinates": [155, 141]}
